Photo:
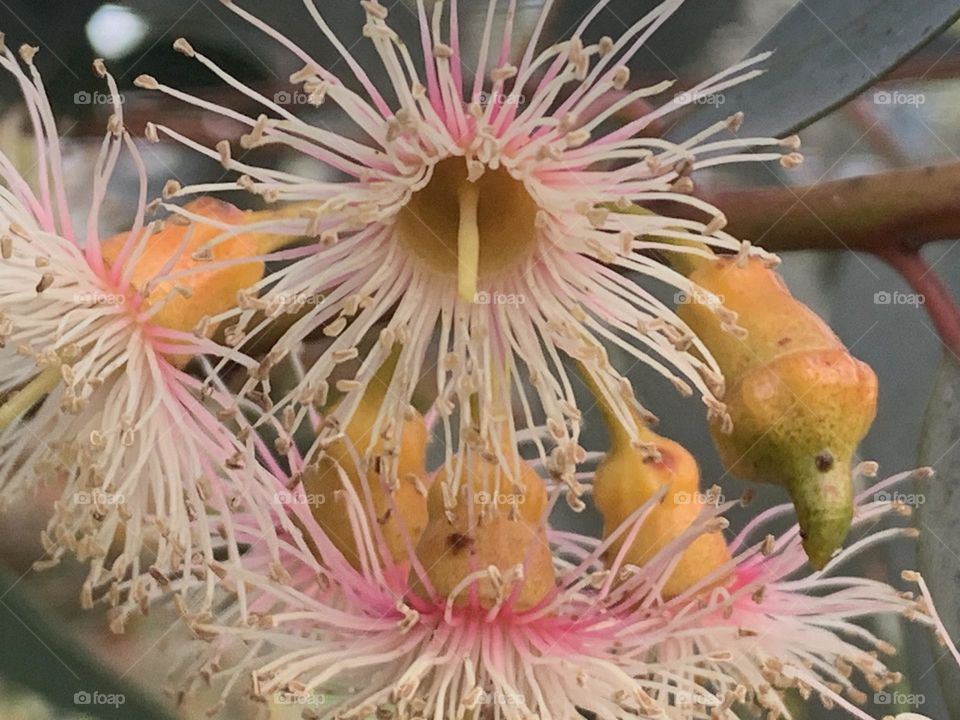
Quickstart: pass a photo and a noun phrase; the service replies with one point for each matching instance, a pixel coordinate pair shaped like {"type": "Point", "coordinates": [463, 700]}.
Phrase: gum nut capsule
{"type": "Point", "coordinates": [628, 477]}
{"type": "Point", "coordinates": [799, 402]}
{"type": "Point", "coordinates": [478, 532]}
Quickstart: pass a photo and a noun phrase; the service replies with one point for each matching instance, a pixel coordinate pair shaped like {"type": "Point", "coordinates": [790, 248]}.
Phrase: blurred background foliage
{"type": "Point", "coordinates": [831, 61]}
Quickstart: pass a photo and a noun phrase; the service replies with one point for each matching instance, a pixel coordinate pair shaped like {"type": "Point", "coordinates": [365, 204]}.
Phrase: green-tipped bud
{"type": "Point", "coordinates": [798, 401]}
{"type": "Point", "coordinates": [824, 503]}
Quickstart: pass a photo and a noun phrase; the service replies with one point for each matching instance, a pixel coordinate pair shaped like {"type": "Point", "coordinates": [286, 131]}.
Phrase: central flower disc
{"type": "Point", "coordinates": [474, 230]}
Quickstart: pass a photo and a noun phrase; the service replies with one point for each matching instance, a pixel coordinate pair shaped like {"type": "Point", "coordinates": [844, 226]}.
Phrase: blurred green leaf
{"type": "Point", "coordinates": [825, 52]}
{"type": "Point", "coordinates": [38, 653]}
{"type": "Point", "coordinates": [938, 517]}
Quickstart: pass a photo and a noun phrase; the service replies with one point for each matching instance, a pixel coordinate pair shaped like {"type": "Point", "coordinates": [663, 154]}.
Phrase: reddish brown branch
{"type": "Point", "coordinates": [862, 113]}
{"type": "Point", "coordinates": [891, 215]}
{"type": "Point", "coordinates": [937, 299]}
{"type": "Point", "coordinates": [873, 212]}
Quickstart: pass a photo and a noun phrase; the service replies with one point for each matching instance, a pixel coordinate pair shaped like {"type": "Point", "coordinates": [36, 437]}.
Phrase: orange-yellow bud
{"type": "Point", "coordinates": [628, 478]}
{"type": "Point", "coordinates": [493, 487]}
{"type": "Point", "coordinates": [497, 520]}
{"type": "Point", "coordinates": [203, 293]}
{"type": "Point", "coordinates": [401, 512]}
{"type": "Point", "coordinates": [398, 513]}
{"type": "Point", "coordinates": [799, 401]}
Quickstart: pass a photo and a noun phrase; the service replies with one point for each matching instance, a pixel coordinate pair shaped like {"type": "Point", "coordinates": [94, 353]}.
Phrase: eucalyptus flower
{"type": "Point", "coordinates": [494, 615]}
{"type": "Point", "coordinates": [96, 333]}
{"type": "Point", "coordinates": [515, 636]}
{"type": "Point", "coordinates": [784, 627]}
{"type": "Point", "coordinates": [485, 221]}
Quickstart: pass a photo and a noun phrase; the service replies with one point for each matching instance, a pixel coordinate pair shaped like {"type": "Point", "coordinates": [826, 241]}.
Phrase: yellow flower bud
{"type": "Point", "coordinates": [636, 468]}
{"type": "Point", "coordinates": [798, 400]}
{"type": "Point", "coordinates": [494, 488]}
{"type": "Point", "coordinates": [322, 480]}
{"type": "Point", "coordinates": [497, 520]}
{"type": "Point", "coordinates": [628, 477]}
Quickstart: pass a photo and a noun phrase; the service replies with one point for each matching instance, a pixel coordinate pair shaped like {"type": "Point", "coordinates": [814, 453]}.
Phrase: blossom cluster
{"type": "Point", "coordinates": [231, 403]}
